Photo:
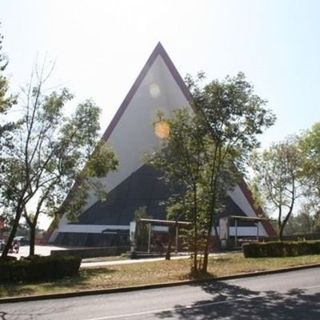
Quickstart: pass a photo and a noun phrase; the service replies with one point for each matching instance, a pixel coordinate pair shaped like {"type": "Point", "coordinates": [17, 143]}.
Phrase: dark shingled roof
{"type": "Point", "coordinates": [143, 188]}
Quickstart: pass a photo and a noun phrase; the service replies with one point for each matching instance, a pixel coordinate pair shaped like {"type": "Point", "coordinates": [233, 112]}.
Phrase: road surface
{"type": "Point", "coordinates": [284, 296]}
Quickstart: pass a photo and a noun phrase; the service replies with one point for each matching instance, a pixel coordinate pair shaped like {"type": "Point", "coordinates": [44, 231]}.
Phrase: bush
{"type": "Point", "coordinates": [38, 268]}
{"type": "Point", "coordinates": [280, 249]}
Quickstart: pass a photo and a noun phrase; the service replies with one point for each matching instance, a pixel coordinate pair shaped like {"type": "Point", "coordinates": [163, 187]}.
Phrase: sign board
{"type": "Point", "coordinates": [224, 228]}
{"type": "Point", "coordinates": [132, 230]}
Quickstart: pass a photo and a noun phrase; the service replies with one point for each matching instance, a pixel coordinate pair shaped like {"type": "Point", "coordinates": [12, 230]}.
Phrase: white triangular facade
{"type": "Point", "coordinates": [158, 88]}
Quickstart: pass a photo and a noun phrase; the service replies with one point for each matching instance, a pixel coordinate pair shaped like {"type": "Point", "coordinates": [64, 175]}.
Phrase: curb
{"type": "Point", "coordinates": [150, 286]}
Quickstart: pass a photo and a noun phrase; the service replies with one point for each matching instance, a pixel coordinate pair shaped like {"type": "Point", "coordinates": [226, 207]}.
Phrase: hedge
{"type": "Point", "coordinates": [280, 249]}
{"type": "Point", "coordinates": [38, 268]}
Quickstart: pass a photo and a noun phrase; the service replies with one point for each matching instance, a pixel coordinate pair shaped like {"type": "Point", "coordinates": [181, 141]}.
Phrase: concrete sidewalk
{"type": "Point", "coordinates": [39, 249]}
{"type": "Point", "coordinates": [98, 262]}
{"type": "Point", "coordinates": [45, 250]}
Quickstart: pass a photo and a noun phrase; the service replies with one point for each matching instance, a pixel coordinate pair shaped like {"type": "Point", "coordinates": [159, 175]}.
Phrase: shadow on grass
{"type": "Point", "coordinates": [83, 277]}
{"type": "Point", "coordinates": [200, 275]}
{"type": "Point", "coordinates": [236, 303]}
{"type": "Point", "coordinates": [10, 290]}
{"type": "Point", "coordinates": [49, 286]}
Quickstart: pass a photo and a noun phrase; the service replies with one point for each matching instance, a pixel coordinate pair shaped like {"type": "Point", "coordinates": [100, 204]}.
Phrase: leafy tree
{"type": "Point", "coordinates": [205, 152]}
{"type": "Point", "coordinates": [235, 117]}
{"type": "Point", "coordinates": [308, 218]}
{"type": "Point", "coordinates": [317, 221]}
{"type": "Point", "coordinates": [184, 159]}
{"type": "Point", "coordinates": [309, 144]}
{"type": "Point", "coordinates": [277, 174]}
{"type": "Point", "coordinates": [52, 153]}
{"type": "Point", "coordinates": [301, 224]}
{"type": "Point", "coordinates": [6, 102]}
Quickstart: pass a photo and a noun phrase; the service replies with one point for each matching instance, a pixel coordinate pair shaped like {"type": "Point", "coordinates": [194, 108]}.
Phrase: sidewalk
{"type": "Point", "coordinates": [100, 262]}
{"type": "Point", "coordinates": [40, 250]}
{"type": "Point", "coordinates": [95, 262]}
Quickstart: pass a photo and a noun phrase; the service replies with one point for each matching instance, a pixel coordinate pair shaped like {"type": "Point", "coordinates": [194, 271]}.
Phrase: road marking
{"type": "Point", "coordinates": [164, 310]}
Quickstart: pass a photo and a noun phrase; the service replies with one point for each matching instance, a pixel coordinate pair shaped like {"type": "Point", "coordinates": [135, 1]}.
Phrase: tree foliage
{"type": "Point", "coordinates": [309, 144]}
{"type": "Point", "coordinates": [7, 100]}
{"type": "Point", "coordinates": [302, 223]}
{"type": "Point", "coordinates": [278, 176]}
{"type": "Point", "coordinates": [51, 155]}
{"type": "Point", "coordinates": [205, 152]}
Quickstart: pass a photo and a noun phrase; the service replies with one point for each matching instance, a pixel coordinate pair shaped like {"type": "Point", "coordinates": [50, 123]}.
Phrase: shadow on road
{"type": "Point", "coordinates": [234, 302]}
{"type": "Point", "coordinates": [3, 315]}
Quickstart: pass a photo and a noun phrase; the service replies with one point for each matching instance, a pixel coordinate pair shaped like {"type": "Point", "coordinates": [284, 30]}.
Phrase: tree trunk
{"type": "Point", "coordinates": [32, 239]}
{"type": "Point", "coordinates": [281, 228]}
{"type": "Point", "coordinates": [280, 224]}
{"type": "Point", "coordinates": [195, 222]}
{"type": "Point", "coordinates": [206, 250]}
{"type": "Point", "coordinates": [195, 249]}
{"type": "Point", "coordinates": [32, 225]}
{"type": "Point", "coordinates": [283, 224]}
{"type": "Point", "coordinates": [12, 234]}
{"type": "Point", "coordinates": [168, 253]}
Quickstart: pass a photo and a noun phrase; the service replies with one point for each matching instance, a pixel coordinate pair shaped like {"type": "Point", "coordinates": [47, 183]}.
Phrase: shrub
{"type": "Point", "coordinates": [280, 249]}
{"type": "Point", "coordinates": [38, 268]}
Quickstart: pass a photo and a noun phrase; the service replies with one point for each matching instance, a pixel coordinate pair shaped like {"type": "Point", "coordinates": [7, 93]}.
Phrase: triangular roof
{"type": "Point", "coordinates": [127, 137]}
{"type": "Point", "coordinates": [158, 51]}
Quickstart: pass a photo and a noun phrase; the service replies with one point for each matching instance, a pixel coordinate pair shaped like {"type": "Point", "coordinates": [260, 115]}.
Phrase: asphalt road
{"type": "Point", "coordinates": [285, 296]}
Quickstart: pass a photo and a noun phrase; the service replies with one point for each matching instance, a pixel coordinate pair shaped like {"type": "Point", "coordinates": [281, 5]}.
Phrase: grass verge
{"type": "Point", "coordinates": [152, 272]}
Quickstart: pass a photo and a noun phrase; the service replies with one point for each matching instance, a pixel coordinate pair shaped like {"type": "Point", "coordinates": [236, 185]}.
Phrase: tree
{"type": "Point", "coordinates": [52, 154]}
{"type": "Point", "coordinates": [301, 224]}
{"type": "Point", "coordinates": [277, 174]}
{"type": "Point", "coordinates": [6, 102]}
{"type": "Point", "coordinates": [182, 159]}
{"type": "Point", "coordinates": [309, 144]}
{"type": "Point", "coordinates": [204, 153]}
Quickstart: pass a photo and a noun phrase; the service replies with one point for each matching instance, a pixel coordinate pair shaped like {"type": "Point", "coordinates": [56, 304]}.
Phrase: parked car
{"type": "Point", "coordinates": [23, 241]}
{"type": "Point", "coordinates": [2, 243]}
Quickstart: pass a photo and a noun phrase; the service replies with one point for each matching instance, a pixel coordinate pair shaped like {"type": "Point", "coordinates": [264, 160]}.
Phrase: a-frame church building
{"type": "Point", "coordinates": [159, 87]}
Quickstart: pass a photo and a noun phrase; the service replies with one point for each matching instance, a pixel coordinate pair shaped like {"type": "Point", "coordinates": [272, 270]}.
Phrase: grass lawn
{"type": "Point", "coordinates": [152, 272]}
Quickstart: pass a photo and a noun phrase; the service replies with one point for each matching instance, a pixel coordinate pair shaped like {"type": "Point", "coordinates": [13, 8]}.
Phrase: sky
{"type": "Point", "coordinates": [99, 47]}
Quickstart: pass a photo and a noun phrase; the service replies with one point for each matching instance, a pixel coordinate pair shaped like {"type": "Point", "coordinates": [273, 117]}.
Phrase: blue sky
{"type": "Point", "coordinates": [99, 48]}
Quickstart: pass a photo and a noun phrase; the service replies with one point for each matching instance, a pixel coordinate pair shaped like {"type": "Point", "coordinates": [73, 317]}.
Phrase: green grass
{"type": "Point", "coordinates": [152, 272]}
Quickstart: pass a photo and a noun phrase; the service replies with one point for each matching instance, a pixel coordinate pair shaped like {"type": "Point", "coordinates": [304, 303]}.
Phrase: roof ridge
{"type": "Point", "coordinates": [157, 51]}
